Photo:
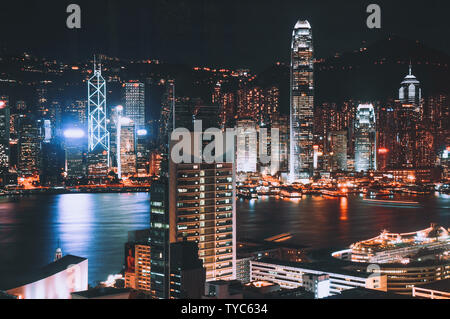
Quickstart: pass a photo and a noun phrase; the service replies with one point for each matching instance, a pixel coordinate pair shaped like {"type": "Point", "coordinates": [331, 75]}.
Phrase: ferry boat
{"type": "Point", "coordinates": [391, 202]}
{"type": "Point", "coordinates": [333, 193]}
{"type": "Point", "coordinates": [279, 238]}
{"type": "Point", "coordinates": [263, 191]}
{"type": "Point", "coordinates": [290, 193]}
{"type": "Point", "coordinates": [275, 191]}
{"type": "Point", "coordinates": [247, 193]}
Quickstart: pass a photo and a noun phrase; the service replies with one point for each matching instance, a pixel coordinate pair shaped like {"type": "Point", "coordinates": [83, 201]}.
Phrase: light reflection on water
{"type": "Point", "coordinates": [321, 222]}
{"type": "Point", "coordinates": [96, 226]}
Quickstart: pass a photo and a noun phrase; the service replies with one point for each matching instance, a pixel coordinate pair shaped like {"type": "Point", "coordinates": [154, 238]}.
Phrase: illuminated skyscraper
{"type": "Point", "coordinates": [365, 138]}
{"type": "Point", "coordinates": [337, 141]}
{"type": "Point", "coordinates": [281, 122]}
{"type": "Point", "coordinates": [4, 135]}
{"type": "Point", "coordinates": [143, 153]}
{"type": "Point", "coordinates": [127, 148]}
{"type": "Point", "coordinates": [247, 146]}
{"type": "Point", "coordinates": [167, 116]}
{"type": "Point", "coordinates": [98, 135]}
{"type": "Point", "coordinates": [302, 101]}
{"type": "Point", "coordinates": [29, 147]}
{"type": "Point", "coordinates": [202, 209]}
{"type": "Point", "coordinates": [410, 91]}
{"type": "Point", "coordinates": [77, 112]}
{"type": "Point", "coordinates": [413, 142]}
{"type": "Point", "coordinates": [160, 238]}
{"type": "Point", "coordinates": [134, 97]}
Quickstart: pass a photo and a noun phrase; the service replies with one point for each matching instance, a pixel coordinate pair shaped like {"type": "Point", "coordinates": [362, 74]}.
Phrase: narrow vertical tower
{"type": "Point", "coordinates": [302, 102]}
{"type": "Point", "coordinates": [98, 135]}
{"type": "Point", "coordinates": [365, 139]}
{"type": "Point", "coordinates": [58, 252]}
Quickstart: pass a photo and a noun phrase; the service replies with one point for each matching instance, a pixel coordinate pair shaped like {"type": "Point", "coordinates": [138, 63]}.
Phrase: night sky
{"type": "Point", "coordinates": [231, 33]}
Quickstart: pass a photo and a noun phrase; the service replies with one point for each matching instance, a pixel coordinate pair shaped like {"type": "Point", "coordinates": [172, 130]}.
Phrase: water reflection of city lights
{"type": "Point", "coordinates": [75, 220]}
{"type": "Point", "coordinates": [344, 208]}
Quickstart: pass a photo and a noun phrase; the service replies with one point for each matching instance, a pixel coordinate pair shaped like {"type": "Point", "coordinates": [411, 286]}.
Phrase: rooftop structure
{"type": "Point", "coordinates": [103, 293]}
{"type": "Point", "coordinates": [435, 290]}
{"type": "Point", "coordinates": [290, 275]}
{"type": "Point", "coordinates": [55, 281]}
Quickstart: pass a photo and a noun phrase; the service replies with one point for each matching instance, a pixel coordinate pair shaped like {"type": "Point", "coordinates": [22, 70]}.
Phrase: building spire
{"type": "Point", "coordinates": [97, 65]}
{"type": "Point", "coordinates": [410, 67]}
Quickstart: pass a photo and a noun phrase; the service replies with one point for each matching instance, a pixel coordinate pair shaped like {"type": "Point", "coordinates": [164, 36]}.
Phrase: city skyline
{"type": "Point", "coordinates": [180, 178]}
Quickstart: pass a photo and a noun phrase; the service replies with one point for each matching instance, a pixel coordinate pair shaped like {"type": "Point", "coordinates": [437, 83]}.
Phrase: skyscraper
{"type": "Point", "coordinates": [127, 149]}
{"type": "Point", "coordinates": [302, 101]}
{"type": "Point", "coordinates": [29, 147]}
{"type": "Point", "coordinates": [365, 138]}
{"type": "Point", "coordinates": [160, 226]}
{"type": "Point", "coordinates": [410, 91]}
{"type": "Point", "coordinates": [4, 135]}
{"type": "Point", "coordinates": [202, 209]}
{"type": "Point", "coordinates": [134, 97]}
{"type": "Point", "coordinates": [195, 204]}
{"type": "Point", "coordinates": [413, 142]}
{"type": "Point", "coordinates": [75, 150]}
{"type": "Point", "coordinates": [247, 146]}
{"type": "Point", "coordinates": [98, 135]}
{"type": "Point", "coordinates": [281, 122]}
{"type": "Point", "coordinates": [76, 112]}
{"type": "Point", "coordinates": [167, 118]}
{"type": "Point", "coordinates": [52, 163]}
{"type": "Point", "coordinates": [337, 141]}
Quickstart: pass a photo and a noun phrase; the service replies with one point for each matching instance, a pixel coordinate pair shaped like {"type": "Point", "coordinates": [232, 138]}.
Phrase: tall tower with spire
{"type": "Point", "coordinates": [98, 135]}
{"type": "Point", "coordinates": [302, 102]}
{"type": "Point", "coordinates": [412, 140]}
{"type": "Point", "coordinates": [410, 91]}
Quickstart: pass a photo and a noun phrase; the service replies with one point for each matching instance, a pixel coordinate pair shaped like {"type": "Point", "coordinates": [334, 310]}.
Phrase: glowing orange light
{"type": "Point", "coordinates": [344, 209]}
{"type": "Point", "coordinates": [383, 151]}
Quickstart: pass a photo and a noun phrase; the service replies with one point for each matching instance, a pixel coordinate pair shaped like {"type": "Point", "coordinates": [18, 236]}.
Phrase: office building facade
{"type": "Point", "coordinates": [134, 97]}
{"type": "Point", "coordinates": [202, 209]}
{"type": "Point", "coordinates": [4, 135]}
{"type": "Point", "coordinates": [365, 138]}
{"type": "Point", "coordinates": [247, 146]}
